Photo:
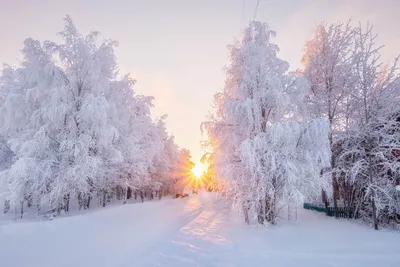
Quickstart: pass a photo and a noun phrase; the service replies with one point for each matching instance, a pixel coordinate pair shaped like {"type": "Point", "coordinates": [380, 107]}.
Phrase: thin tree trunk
{"type": "Point", "coordinates": [22, 208]}
{"type": "Point", "coordinates": [67, 203]}
{"type": "Point", "coordinates": [335, 195]}
{"type": "Point", "coordinates": [104, 199]}
{"type": "Point", "coordinates": [80, 200]}
{"type": "Point", "coordinates": [124, 196]}
{"type": "Point", "coordinates": [59, 207]}
{"type": "Point", "coordinates": [260, 213]}
{"type": "Point", "coordinates": [373, 194]}
{"type": "Point", "coordinates": [334, 185]}
{"type": "Point", "coordinates": [328, 84]}
{"type": "Point", "coordinates": [88, 202]}
{"type": "Point", "coordinates": [246, 212]}
{"type": "Point", "coordinates": [270, 210]}
{"type": "Point", "coordinates": [6, 206]}
{"type": "Point", "coordinates": [118, 193]}
{"type": "Point", "coordinates": [29, 203]}
{"type": "Point", "coordinates": [129, 193]}
{"type": "Point", "coordinates": [325, 199]}
{"type": "Point", "coordinates": [374, 211]}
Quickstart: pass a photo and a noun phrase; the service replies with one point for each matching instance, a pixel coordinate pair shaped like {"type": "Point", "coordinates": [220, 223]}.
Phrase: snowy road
{"type": "Point", "coordinates": [197, 231]}
{"type": "Point", "coordinates": [200, 241]}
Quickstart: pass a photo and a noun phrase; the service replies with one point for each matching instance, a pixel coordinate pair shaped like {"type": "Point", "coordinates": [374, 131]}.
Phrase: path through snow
{"type": "Point", "coordinates": [197, 231]}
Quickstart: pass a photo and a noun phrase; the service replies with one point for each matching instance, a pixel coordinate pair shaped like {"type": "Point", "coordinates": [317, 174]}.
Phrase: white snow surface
{"type": "Point", "coordinates": [196, 231]}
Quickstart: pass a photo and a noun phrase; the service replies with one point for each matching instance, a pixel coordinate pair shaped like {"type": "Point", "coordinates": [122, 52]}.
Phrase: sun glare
{"type": "Point", "coordinates": [198, 170]}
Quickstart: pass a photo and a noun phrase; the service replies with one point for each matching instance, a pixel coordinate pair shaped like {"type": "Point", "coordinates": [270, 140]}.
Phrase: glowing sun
{"type": "Point", "coordinates": [198, 170]}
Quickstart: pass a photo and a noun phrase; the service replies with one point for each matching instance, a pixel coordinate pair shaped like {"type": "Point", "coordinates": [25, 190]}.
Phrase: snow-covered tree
{"type": "Point", "coordinates": [265, 148]}
{"type": "Point", "coordinates": [359, 96]}
{"type": "Point", "coordinates": [23, 126]}
{"type": "Point", "coordinates": [328, 62]}
{"type": "Point", "coordinates": [181, 172]}
{"type": "Point", "coordinates": [74, 128]}
{"type": "Point", "coordinates": [211, 181]}
{"type": "Point", "coordinates": [368, 157]}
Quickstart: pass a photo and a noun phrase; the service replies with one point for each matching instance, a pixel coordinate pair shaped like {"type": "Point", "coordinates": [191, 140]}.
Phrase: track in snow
{"type": "Point", "coordinates": [192, 243]}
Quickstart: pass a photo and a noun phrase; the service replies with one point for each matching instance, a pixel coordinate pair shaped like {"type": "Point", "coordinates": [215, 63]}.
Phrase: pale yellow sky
{"type": "Point", "coordinates": [176, 49]}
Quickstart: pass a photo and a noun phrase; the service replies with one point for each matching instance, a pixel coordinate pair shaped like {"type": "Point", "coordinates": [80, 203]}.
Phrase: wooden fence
{"type": "Point", "coordinates": [343, 212]}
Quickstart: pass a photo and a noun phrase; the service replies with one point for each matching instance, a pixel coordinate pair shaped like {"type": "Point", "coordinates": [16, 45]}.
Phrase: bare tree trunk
{"type": "Point", "coordinates": [124, 200]}
{"type": "Point", "coordinates": [335, 185]}
{"type": "Point", "coordinates": [374, 210]}
{"type": "Point", "coordinates": [328, 83]}
{"type": "Point", "coordinates": [59, 207]}
{"type": "Point", "coordinates": [129, 193]}
{"type": "Point", "coordinates": [118, 192]}
{"type": "Point", "coordinates": [335, 196]}
{"type": "Point", "coordinates": [67, 203]}
{"type": "Point", "coordinates": [269, 209]}
{"type": "Point", "coordinates": [246, 212]}
{"type": "Point", "coordinates": [22, 208]}
{"type": "Point", "coordinates": [142, 195]}
{"type": "Point", "coordinates": [7, 206]}
{"type": "Point", "coordinates": [104, 198]}
{"type": "Point", "coordinates": [29, 199]}
{"type": "Point", "coordinates": [373, 194]}
{"type": "Point", "coordinates": [325, 199]}
{"type": "Point", "coordinates": [80, 201]}
{"type": "Point", "coordinates": [88, 202]}
{"type": "Point", "coordinates": [260, 213]}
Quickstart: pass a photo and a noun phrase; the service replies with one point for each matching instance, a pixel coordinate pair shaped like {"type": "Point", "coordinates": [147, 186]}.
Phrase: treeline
{"type": "Point", "coordinates": [329, 132]}
{"type": "Point", "coordinates": [72, 128]}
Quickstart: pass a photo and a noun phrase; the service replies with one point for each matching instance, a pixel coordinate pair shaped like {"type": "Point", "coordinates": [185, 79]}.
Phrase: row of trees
{"type": "Point", "coordinates": [360, 96]}
{"type": "Point", "coordinates": [71, 127]}
{"type": "Point", "coordinates": [279, 138]}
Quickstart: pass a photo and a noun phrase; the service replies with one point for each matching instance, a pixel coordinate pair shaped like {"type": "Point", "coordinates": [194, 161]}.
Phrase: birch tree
{"type": "Point", "coordinates": [372, 143]}
{"type": "Point", "coordinates": [328, 61]}
{"type": "Point", "coordinates": [258, 130]}
{"type": "Point", "coordinates": [73, 127]}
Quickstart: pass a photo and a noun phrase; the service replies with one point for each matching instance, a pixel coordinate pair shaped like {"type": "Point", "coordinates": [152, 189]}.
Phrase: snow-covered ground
{"type": "Point", "coordinates": [195, 231]}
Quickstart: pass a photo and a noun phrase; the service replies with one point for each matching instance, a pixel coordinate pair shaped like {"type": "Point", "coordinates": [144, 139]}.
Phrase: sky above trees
{"type": "Point", "coordinates": [177, 49]}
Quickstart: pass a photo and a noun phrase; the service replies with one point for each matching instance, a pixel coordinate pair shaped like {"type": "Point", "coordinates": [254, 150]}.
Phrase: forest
{"type": "Point", "coordinates": [73, 128]}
